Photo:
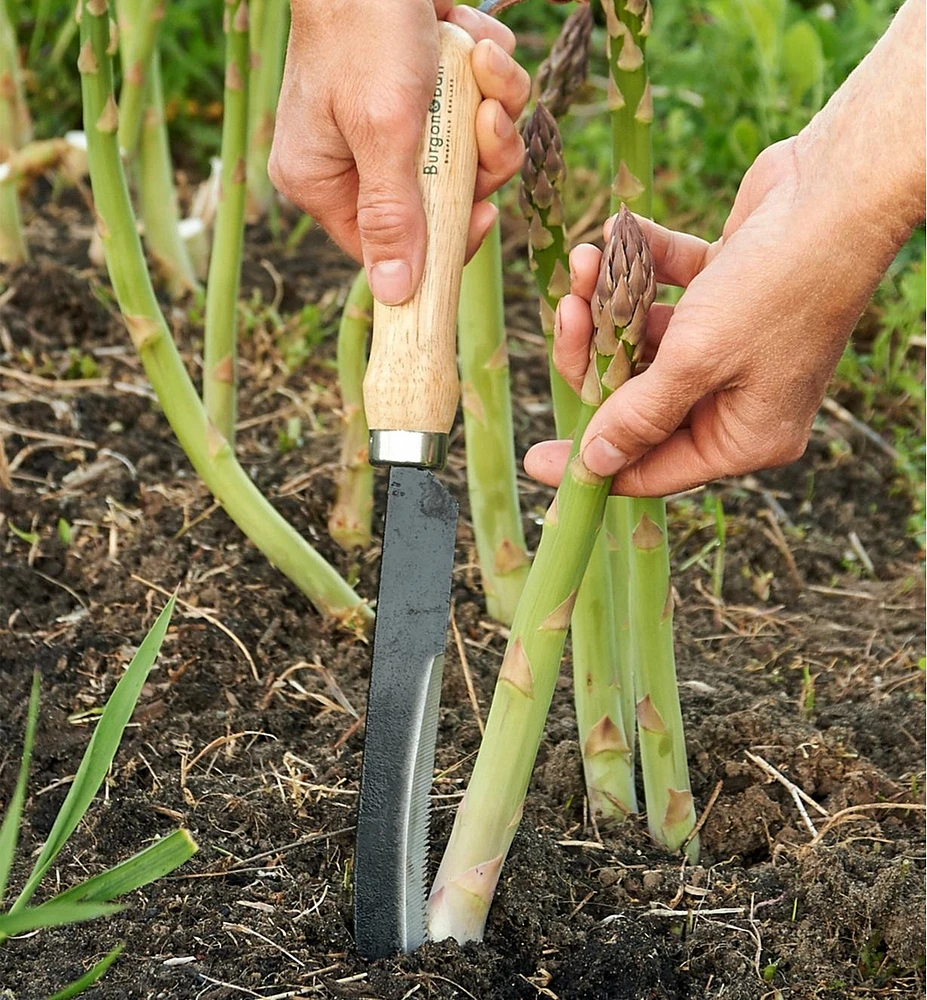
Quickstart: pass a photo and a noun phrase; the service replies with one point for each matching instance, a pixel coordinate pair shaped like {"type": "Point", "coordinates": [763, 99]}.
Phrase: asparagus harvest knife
{"type": "Point", "coordinates": [410, 395]}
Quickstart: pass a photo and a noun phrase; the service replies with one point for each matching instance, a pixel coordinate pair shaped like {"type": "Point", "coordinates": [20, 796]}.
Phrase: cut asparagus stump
{"type": "Point", "coordinates": [410, 394]}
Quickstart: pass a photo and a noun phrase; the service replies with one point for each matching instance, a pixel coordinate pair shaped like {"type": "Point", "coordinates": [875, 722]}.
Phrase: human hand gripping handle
{"type": "Point", "coordinates": [358, 80]}
{"type": "Point", "coordinates": [411, 386]}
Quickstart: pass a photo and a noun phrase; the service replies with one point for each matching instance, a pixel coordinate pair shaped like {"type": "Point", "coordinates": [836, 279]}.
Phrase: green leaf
{"type": "Point", "coordinates": [27, 536]}
{"type": "Point", "coordinates": [100, 752]}
{"type": "Point", "coordinates": [150, 864]}
{"type": "Point", "coordinates": [802, 60]}
{"type": "Point", "coordinates": [765, 18]}
{"type": "Point", "coordinates": [64, 531]}
{"type": "Point", "coordinates": [89, 977]}
{"type": "Point", "coordinates": [744, 140]}
{"type": "Point", "coordinates": [9, 831]}
{"type": "Point", "coordinates": [53, 914]}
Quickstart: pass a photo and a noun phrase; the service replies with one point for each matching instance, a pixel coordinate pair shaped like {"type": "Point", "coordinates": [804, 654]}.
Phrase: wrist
{"type": "Point", "coordinates": [863, 153]}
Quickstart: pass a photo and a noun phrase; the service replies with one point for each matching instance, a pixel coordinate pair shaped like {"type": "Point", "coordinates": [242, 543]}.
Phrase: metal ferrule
{"type": "Point", "coordinates": [422, 449]}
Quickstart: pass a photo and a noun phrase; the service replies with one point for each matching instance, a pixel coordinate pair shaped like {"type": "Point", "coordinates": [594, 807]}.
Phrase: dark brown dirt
{"type": "Point", "coordinates": [804, 660]}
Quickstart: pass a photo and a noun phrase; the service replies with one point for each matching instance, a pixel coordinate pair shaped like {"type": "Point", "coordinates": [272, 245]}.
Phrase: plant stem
{"type": "Point", "coordinates": [491, 810]}
{"type": "Point", "coordinates": [487, 409]}
{"type": "Point", "coordinates": [157, 196]}
{"type": "Point", "coordinates": [143, 140]}
{"type": "Point", "coordinates": [208, 451]}
{"type": "Point", "coordinates": [350, 521]}
{"type": "Point", "coordinates": [268, 46]}
{"type": "Point", "coordinates": [640, 524]}
{"type": "Point", "coordinates": [602, 681]}
{"type": "Point", "coordinates": [139, 29]}
{"type": "Point", "coordinates": [14, 130]}
{"type": "Point", "coordinates": [220, 353]}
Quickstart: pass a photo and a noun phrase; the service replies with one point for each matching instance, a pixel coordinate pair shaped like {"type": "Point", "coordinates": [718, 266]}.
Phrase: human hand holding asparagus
{"type": "Point", "coordinates": [740, 366]}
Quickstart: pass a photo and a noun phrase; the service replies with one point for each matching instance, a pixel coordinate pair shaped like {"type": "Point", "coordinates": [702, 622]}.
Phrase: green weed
{"type": "Point", "coordinates": [94, 897]}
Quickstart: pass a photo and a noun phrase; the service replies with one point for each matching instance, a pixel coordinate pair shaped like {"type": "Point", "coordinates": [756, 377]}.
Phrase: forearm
{"type": "Point", "coordinates": [864, 152]}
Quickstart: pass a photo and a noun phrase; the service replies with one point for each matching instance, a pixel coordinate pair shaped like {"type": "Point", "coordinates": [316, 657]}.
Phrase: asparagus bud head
{"type": "Point", "coordinates": [562, 74]}
{"type": "Point", "coordinates": [624, 291]}
{"type": "Point", "coordinates": [544, 169]}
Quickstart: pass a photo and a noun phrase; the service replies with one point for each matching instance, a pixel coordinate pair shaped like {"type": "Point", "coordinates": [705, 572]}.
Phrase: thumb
{"type": "Point", "coordinates": [640, 415]}
{"type": "Point", "coordinates": [390, 216]}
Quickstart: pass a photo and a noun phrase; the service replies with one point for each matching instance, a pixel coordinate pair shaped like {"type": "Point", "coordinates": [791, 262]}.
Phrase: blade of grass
{"type": "Point", "coordinates": [9, 831]}
{"type": "Point", "coordinates": [53, 914]}
{"type": "Point", "coordinates": [100, 753]}
{"type": "Point", "coordinates": [89, 977]}
{"type": "Point", "coordinates": [146, 866]}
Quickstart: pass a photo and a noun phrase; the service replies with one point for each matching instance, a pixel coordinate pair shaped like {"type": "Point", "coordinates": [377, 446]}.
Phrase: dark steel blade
{"type": "Point", "coordinates": [402, 713]}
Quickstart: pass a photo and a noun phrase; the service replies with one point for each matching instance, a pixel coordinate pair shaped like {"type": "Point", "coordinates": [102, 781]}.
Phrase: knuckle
{"type": "Point", "coordinates": [644, 429]}
{"type": "Point", "coordinates": [383, 215]}
{"type": "Point", "coordinates": [790, 449]}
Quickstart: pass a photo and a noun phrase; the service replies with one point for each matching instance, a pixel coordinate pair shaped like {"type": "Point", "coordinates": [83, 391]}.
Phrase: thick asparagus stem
{"type": "Point", "coordinates": [220, 351]}
{"type": "Point", "coordinates": [139, 27]}
{"type": "Point", "coordinates": [13, 130]}
{"type": "Point", "coordinates": [350, 521]}
{"type": "Point", "coordinates": [491, 810]}
{"type": "Point", "coordinates": [562, 74]}
{"type": "Point", "coordinates": [602, 681]}
{"type": "Point", "coordinates": [640, 524]}
{"type": "Point", "coordinates": [268, 45]}
{"type": "Point", "coordinates": [542, 177]}
{"type": "Point", "coordinates": [144, 142]}
{"type": "Point", "coordinates": [487, 410]}
{"type": "Point", "coordinates": [157, 195]}
{"type": "Point", "coordinates": [207, 449]}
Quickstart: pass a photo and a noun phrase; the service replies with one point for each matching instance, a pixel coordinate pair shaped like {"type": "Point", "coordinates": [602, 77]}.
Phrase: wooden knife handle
{"type": "Point", "coordinates": [411, 384]}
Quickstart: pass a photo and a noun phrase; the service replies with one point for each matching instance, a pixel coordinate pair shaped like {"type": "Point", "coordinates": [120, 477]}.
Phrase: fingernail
{"type": "Point", "coordinates": [502, 124]}
{"type": "Point", "coordinates": [498, 59]}
{"type": "Point", "coordinates": [558, 324]}
{"type": "Point", "coordinates": [391, 281]}
{"type": "Point", "coordinates": [603, 458]}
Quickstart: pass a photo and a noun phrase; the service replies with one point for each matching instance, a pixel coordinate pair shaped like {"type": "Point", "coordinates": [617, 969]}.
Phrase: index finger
{"type": "Point", "coordinates": [677, 257]}
{"type": "Point", "coordinates": [479, 26]}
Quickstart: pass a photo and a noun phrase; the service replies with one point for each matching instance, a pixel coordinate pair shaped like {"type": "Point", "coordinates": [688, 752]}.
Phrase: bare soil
{"type": "Point", "coordinates": [805, 659]}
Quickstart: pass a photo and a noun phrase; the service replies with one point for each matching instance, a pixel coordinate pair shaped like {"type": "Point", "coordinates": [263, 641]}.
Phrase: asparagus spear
{"type": "Point", "coordinates": [491, 810]}
{"type": "Point", "coordinates": [139, 27]}
{"type": "Point", "coordinates": [207, 449]}
{"type": "Point", "coordinates": [602, 681]}
{"type": "Point", "coordinates": [640, 524]}
{"type": "Point", "coordinates": [143, 141]}
{"type": "Point", "coordinates": [350, 521]}
{"type": "Point", "coordinates": [220, 348]}
{"type": "Point", "coordinates": [487, 408]}
{"type": "Point", "coordinates": [268, 44]}
{"type": "Point", "coordinates": [562, 74]}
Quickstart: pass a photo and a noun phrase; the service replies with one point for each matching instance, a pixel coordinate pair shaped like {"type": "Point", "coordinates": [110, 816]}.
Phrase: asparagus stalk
{"type": "Point", "coordinates": [143, 140]}
{"type": "Point", "coordinates": [542, 178]}
{"type": "Point", "coordinates": [13, 133]}
{"type": "Point", "coordinates": [562, 74]}
{"type": "Point", "coordinates": [492, 806]}
{"type": "Point", "coordinates": [268, 45]}
{"type": "Point", "coordinates": [602, 680]}
{"type": "Point", "coordinates": [208, 451]}
{"type": "Point", "coordinates": [350, 521]}
{"type": "Point", "coordinates": [157, 195]}
{"type": "Point", "coordinates": [139, 28]}
{"type": "Point", "coordinates": [640, 524]}
{"type": "Point", "coordinates": [220, 352]}
{"type": "Point", "coordinates": [487, 410]}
